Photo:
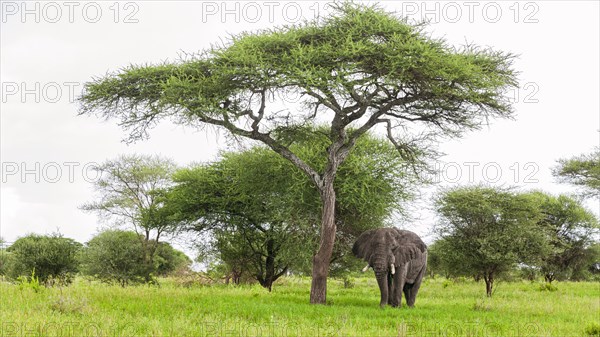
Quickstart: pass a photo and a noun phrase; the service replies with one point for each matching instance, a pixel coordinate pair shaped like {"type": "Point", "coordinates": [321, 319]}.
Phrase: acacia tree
{"type": "Point", "coordinates": [132, 191]}
{"type": "Point", "coordinates": [486, 231]}
{"type": "Point", "coordinates": [359, 68]}
{"type": "Point", "coordinates": [582, 171]}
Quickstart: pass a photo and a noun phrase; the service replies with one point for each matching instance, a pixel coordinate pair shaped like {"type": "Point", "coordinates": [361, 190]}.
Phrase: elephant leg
{"type": "Point", "coordinates": [391, 289]}
{"type": "Point", "coordinates": [408, 293]}
{"type": "Point", "coordinates": [399, 281]}
{"type": "Point", "coordinates": [414, 288]}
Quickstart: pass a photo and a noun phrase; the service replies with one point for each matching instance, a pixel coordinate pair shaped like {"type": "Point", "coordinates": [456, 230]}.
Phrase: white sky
{"type": "Point", "coordinates": [43, 65]}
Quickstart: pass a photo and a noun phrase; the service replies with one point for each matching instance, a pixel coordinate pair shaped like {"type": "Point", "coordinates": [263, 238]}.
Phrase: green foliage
{"type": "Point", "coordinates": [51, 256]}
{"type": "Point", "coordinates": [348, 282]}
{"type": "Point", "coordinates": [592, 329]}
{"type": "Point", "coordinates": [32, 282]}
{"type": "Point", "coordinates": [547, 286]}
{"type": "Point", "coordinates": [360, 54]}
{"type": "Point", "coordinates": [571, 228]}
{"type": "Point", "coordinates": [5, 261]}
{"type": "Point", "coordinates": [486, 231]}
{"type": "Point", "coordinates": [115, 256]}
{"type": "Point", "coordinates": [582, 171]}
{"type": "Point", "coordinates": [169, 260]}
{"type": "Point", "coordinates": [119, 256]}
{"type": "Point", "coordinates": [132, 192]}
{"type": "Point", "coordinates": [262, 211]}
{"type": "Point", "coordinates": [436, 265]}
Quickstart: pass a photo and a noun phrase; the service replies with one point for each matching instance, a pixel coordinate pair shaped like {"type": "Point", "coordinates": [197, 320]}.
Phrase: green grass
{"type": "Point", "coordinates": [444, 308]}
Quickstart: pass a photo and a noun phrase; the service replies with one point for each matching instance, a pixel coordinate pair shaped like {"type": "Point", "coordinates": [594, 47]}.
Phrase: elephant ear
{"type": "Point", "coordinates": [362, 245]}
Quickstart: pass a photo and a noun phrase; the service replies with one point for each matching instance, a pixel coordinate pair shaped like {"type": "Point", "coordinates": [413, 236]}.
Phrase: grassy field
{"type": "Point", "coordinates": [444, 308]}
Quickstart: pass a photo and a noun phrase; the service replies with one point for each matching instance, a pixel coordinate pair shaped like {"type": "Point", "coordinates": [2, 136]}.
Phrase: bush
{"type": "Point", "coordinates": [115, 256]}
{"type": "Point", "coordinates": [170, 260]}
{"type": "Point", "coordinates": [49, 256]}
{"type": "Point", "coordinates": [118, 256]}
{"type": "Point", "coordinates": [5, 259]}
{"type": "Point", "coordinates": [32, 282]}
{"type": "Point", "coordinates": [547, 286]}
{"type": "Point", "coordinates": [348, 282]}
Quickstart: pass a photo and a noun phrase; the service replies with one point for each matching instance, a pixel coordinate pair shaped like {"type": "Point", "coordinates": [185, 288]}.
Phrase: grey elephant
{"type": "Point", "coordinates": [398, 258]}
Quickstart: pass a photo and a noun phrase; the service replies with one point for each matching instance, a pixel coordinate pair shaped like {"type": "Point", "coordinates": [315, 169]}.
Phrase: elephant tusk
{"type": "Point", "coordinates": [365, 269]}
{"type": "Point", "coordinates": [393, 269]}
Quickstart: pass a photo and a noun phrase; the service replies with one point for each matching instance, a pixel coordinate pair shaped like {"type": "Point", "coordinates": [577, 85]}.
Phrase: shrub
{"type": "Point", "coordinates": [5, 259]}
{"type": "Point", "coordinates": [32, 282]}
{"type": "Point", "coordinates": [69, 305]}
{"type": "Point", "coordinates": [170, 260]}
{"type": "Point", "coordinates": [547, 286]}
{"type": "Point", "coordinates": [593, 329]}
{"type": "Point", "coordinates": [115, 256]}
{"type": "Point", "coordinates": [50, 256]}
{"type": "Point", "coordinates": [348, 282]}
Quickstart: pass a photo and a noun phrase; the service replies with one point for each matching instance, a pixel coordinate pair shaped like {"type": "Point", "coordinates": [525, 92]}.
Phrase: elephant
{"type": "Point", "coordinates": [398, 258]}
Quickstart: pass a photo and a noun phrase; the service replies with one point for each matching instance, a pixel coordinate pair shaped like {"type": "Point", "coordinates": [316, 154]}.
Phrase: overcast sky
{"type": "Point", "coordinates": [49, 49]}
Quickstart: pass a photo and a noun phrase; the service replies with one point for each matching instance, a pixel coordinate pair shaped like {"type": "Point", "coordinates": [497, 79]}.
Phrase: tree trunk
{"type": "Point", "coordinates": [318, 290]}
{"type": "Point", "coordinates": [489, 283]}
{"type": "Point", "coordinates": [269, 265]}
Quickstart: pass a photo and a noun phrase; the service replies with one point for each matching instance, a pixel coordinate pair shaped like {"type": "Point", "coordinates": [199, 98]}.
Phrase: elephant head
{"type": "Point", "coordinates": [398, 258]}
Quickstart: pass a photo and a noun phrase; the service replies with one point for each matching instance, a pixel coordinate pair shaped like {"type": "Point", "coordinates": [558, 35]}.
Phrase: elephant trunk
{"type": "Point", "coordinates": [382, 281]}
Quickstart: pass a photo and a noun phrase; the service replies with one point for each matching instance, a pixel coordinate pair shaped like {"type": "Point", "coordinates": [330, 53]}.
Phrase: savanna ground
{"type": "Point", "coordinates": [444, 308]}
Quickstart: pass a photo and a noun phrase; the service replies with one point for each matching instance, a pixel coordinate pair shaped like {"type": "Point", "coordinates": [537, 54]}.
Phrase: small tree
{"type": "Point", "coordinates": [5, 261]}
{"type": "Point", "coordinates": [486, 231]}
{"type": "Point", "coordinates": [571, 228]}
{"type": "Point", "coordinates": [4, 258]}
{"type": "Point", "coordinates": [361, 68]}
{"type": "Point", "coordinates": [436, 262]}
{"type": "Point", "coordinates": [132, 193]}
{"type": "Point", "coordinates": [48, 256]}
{"type": "Point", "coordinates": [582, 171]}
{"type": "Point", "coordinates": [115, 256]}
{"type": "Point", "coordinates": [169, 260]}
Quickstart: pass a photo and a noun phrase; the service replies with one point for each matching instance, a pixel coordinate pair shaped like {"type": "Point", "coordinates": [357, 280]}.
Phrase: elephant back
{"type": "Point", "coordinates": [405, 238]}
